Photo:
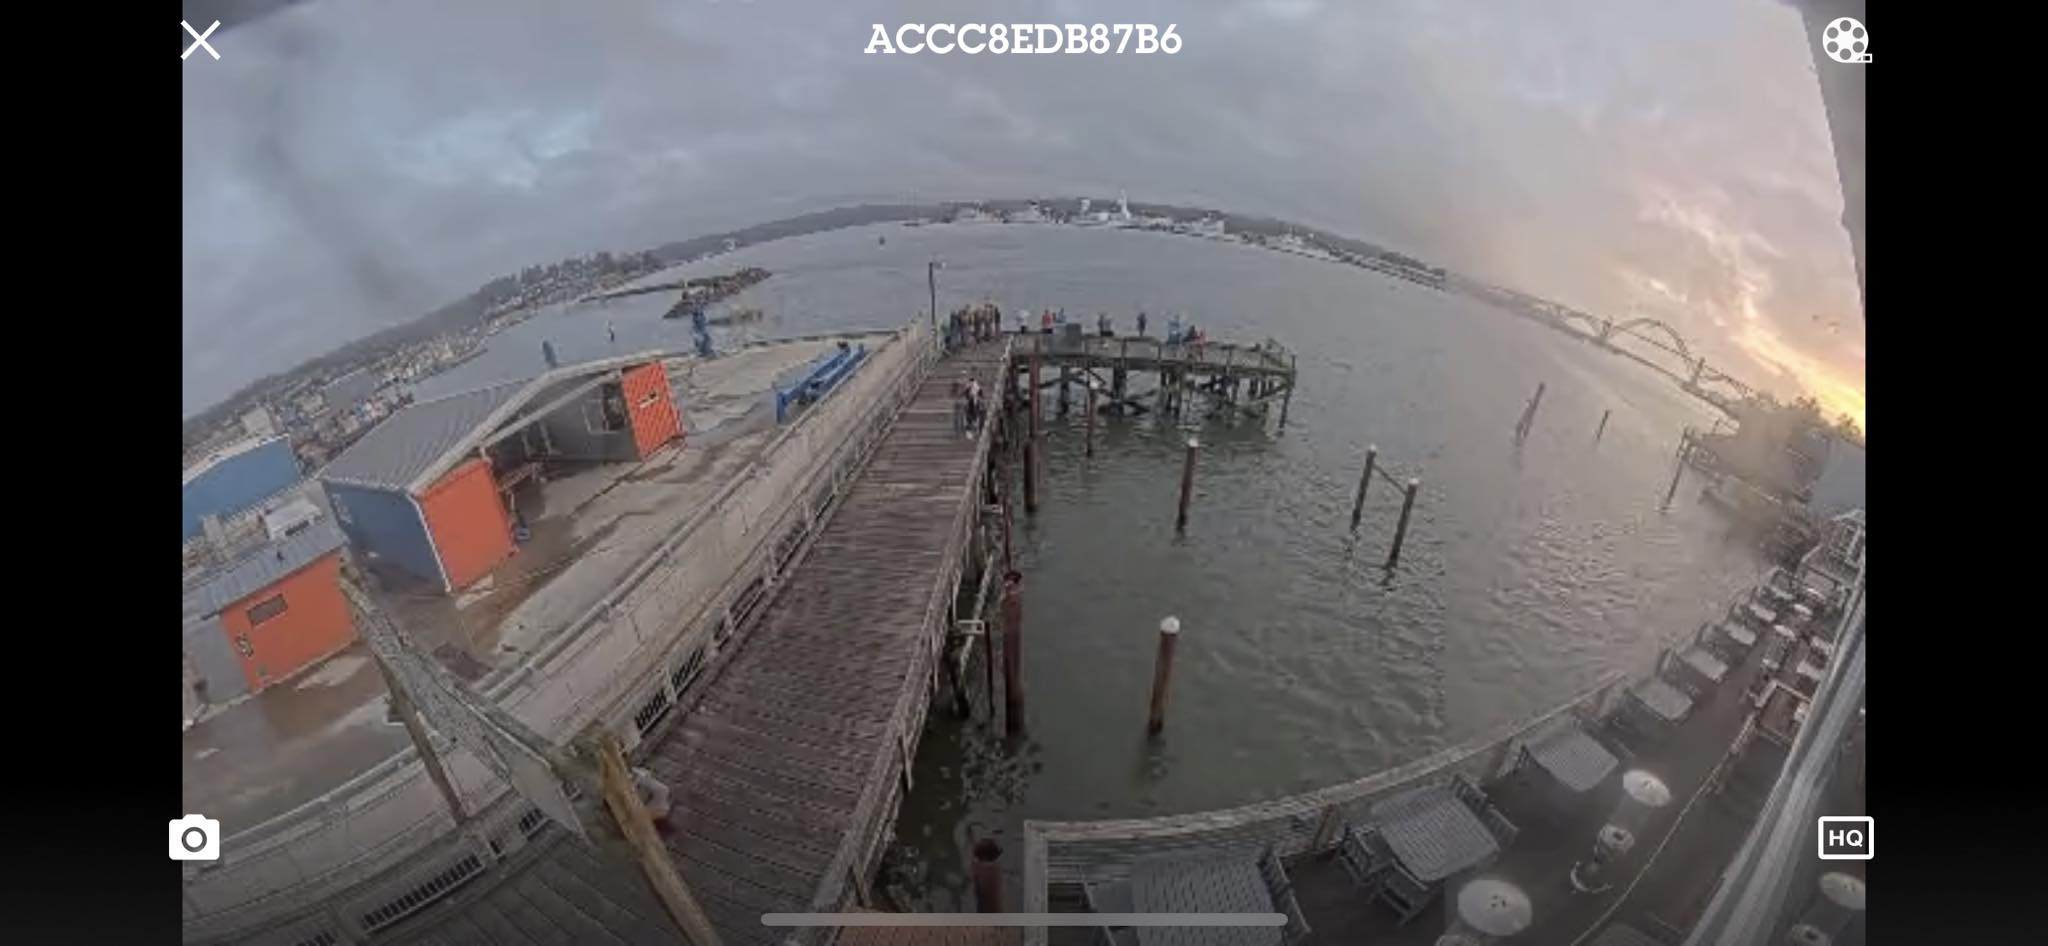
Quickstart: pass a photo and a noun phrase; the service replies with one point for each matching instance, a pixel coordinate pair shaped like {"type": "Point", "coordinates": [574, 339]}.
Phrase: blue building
{"type": "Point", "coordinates": [236, 478]}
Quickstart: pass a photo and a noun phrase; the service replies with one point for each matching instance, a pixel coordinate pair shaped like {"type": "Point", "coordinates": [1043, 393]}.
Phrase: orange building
{"type": "Point", "coordinates": [270, 614]}
{"type": "Point", "coordinates": [431, 491]}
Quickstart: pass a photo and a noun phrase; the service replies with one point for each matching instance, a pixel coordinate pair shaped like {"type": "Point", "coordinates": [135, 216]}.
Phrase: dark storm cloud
{"type": "Point", "coordinates": [352, 164]}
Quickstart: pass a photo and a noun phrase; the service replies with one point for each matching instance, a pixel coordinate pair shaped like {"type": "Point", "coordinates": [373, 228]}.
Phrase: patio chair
{"type": "Point", "coordinates": [1282, 890]}
{"type": "Point", "coordinates": [1114, 897]}
{"type": "Point", "coordinates": [1405, 894]}
{"type": "Point", "coordinates": [1475, 798]}
{"type": "Point", "coordinates": [1366, 858]}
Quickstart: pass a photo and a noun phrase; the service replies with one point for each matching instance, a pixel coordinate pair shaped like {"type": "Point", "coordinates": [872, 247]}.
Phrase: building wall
{"type": "Point", "coordinates": [651, 408]}
{"type": "Point", "coordinates": [468, 522]}
{"type": "Point", "coordinates": [572, 430]}
{"type": "Point", "coordinates": [387, 523]}
{"type": "Point", "coordinates": [1840, 487]}
{"type": "Point", "coordinates": [212, 657]}
{"type": "Point", "coordinates": [314, 623]}
{"type": "Point", "coordinates": [239, 482]}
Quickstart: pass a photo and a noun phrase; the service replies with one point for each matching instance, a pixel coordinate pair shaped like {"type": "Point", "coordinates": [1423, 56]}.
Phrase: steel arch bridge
{"type": "Point", "coordinates": [1648, 330]}
{"type": "Point", "coordinates": [1697, 377]}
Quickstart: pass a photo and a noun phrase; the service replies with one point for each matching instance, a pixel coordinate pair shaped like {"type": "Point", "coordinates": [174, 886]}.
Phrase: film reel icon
{"type": "Point", "coordinates": [1845, 40]}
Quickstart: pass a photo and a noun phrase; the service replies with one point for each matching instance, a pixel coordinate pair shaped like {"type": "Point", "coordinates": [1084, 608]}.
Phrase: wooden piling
{"type": "Point", "coordinates": [1372, 457]}
{"type": "Point", "coordinates": [1064, 376]}
{"type": "Point", "coordinates": [1030, 477]}
{"type": "Point", "coordinates": [988, 876]}
{"type": "Point", "coordinates": [1162, 673]}
{"type": "Point", "coordinates": [1033, 431]}
{"type": "Point", "coordinates": [1401, 528]}
{"type": "Point", "coordinates": [1091, 416]}
{"type": "Point", "coordinates": [1597, 431]}
{"type": "Point", "coordinates": [1187, 485]}
{"type": "Point", "coordinates": [623, 801]}
{"type": "Point", "coordinates": [1529, 413]}
{"type": "Point", "coordinates": [1677, 467]}
{"type": "Point", "coordinates": [1013, 652]}
{"type": "Point", "coordinates": [1287, 397]}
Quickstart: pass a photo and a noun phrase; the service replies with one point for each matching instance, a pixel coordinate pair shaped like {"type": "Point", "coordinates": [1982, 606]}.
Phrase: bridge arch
{"type": "Point", "coordinates": [1636, 326]}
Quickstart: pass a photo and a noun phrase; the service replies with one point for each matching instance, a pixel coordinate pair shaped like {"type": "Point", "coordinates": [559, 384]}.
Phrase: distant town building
{"type": "Point", "coordinates": [290, 518]}
{"type": "Point", "coordinates": [349, 390]}
{"type": "Point", "coordinates": [431, 492]}
{"type": "Point", "coordinates": [256, 422]}
{"type": "Point", "coordinates": [235, 478]}
{"type": "Point", "coordinates": [267, 615]}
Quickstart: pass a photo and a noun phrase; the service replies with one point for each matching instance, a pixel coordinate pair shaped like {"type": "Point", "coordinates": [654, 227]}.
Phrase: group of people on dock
{"type": "Point", "coordinates": [1050, 320]}
{"type": "Point", "coordinates": [975, 323]}
{"type": "Point", "coordinates": [984, 321]}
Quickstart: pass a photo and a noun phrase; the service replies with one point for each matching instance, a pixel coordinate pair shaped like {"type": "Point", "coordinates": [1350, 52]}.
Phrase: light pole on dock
{"type": "Point", "coordinates": [931, 280]}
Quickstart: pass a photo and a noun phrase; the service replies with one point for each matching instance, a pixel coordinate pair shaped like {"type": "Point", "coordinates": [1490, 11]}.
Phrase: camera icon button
{"type": "Point", "coordinates": [195, 838]}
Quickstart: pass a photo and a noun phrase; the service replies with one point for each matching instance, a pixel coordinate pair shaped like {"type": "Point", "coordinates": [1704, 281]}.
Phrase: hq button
{"type": "Point", "coordinates": [1844, 838]}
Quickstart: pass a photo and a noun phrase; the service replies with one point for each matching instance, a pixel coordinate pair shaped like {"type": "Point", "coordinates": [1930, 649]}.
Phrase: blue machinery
{"type": "Point", "coordinates": [820, 378]}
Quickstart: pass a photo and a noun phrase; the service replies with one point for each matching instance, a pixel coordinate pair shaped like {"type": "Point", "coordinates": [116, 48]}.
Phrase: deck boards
{"type": "Point", "coordinates": [769, 765]}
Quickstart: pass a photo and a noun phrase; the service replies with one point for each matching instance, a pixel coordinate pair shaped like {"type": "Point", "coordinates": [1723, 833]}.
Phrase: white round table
{"type": "Point", "coordinates": [1494, 907]}
{"type": "Point", "coordinates": [1645, 789]}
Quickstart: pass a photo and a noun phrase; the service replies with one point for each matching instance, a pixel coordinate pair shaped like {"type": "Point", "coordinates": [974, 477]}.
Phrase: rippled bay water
{"type": "Point", "coordinates": [1528, 572]}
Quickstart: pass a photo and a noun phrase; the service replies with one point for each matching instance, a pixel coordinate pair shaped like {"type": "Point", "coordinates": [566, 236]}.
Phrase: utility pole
{"type": "Point", "coordinates": [931, 278]}
{"type": "Point", "coordinates": [596, 765]}
{"type": "Point", "coordinates": [623, 801]}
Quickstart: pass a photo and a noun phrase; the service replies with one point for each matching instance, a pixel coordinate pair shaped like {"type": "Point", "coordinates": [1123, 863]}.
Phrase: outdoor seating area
{"type": "Point", "coordinates": [1731, 641]}
{"type": "Point", "coordinates": [1215, 884]}
{"type": "Point", "coordinates": [1563, 766]}
{"type": "Point", "coordinates": [1529, 840]}
{"type": "Point", "coordinates": [1650, 710]}
{"type": "Point", "coordinates": [1418, 840]}
{"type": "Point", "coordinates": [1697, 669]}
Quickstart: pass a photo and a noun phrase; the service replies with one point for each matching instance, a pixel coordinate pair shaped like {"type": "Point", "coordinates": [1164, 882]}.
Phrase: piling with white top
{"type": "Point", "coordinates": [1162, 672]}
{"type": "Point", "coordinates": [1372, 456]}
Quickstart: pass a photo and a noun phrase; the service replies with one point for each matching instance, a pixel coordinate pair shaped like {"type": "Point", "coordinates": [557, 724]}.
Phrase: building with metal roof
{"type": "Point", "coordinates": [235, 478]}
{"type": "Point", "coordinates": [268, 614]}
{"type": "Point", "coordinates": [430, 493]}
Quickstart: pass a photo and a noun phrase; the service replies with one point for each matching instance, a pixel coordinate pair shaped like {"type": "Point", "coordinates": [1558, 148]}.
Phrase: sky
{"type": "Point", "coordinates": [350, 164]}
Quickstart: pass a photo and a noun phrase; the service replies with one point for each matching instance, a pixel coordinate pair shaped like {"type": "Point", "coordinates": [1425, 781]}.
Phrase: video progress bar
{"type": "Point", "coordinates": [1023, 919]}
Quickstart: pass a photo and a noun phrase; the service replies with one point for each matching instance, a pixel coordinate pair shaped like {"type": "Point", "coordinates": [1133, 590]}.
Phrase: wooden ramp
{"type": "Point", "coordinates": [786, 774]}
{"type": "Point", "coordinates": [809, 720]}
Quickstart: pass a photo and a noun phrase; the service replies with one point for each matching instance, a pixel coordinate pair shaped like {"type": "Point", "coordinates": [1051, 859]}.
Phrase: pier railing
{"type": "Point", "coordinates": [1067, 853]}
{"type": "Point", "coordinates": [337, 862]}
{"type": "Point", "coordinates": [1148, 351]}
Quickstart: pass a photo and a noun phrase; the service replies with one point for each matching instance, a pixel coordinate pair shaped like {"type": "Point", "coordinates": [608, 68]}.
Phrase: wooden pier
{"type": "Point", "coordinates": [1223, 376]}
{"type": "Point", "coordinates": [792, 756]}
{"type": "Point", "coordinates": [789, 760]}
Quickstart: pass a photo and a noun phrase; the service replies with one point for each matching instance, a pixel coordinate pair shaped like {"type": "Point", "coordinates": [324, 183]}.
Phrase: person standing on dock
{"type": "Point", "coordinates": [974, 407]}
{"type": "Point", "coordinates": [1173, 330]}
{"type": "Point", "coordinates": [958, 393]}
{"type": "Point", "coordinates": [1045, 322]}
{"type": "Point", "coordinates": [654, 794]}
{"type": "Point", "coordinates": [1141, 324]}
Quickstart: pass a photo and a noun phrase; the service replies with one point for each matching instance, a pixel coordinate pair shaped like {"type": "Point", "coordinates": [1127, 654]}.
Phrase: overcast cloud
{"type": "Point", "coordinates": [349, 164]}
